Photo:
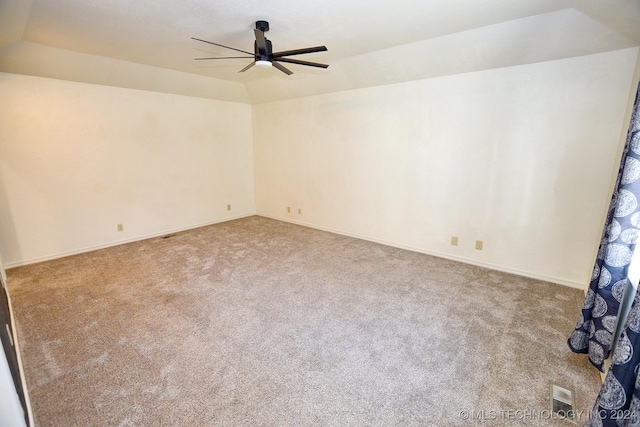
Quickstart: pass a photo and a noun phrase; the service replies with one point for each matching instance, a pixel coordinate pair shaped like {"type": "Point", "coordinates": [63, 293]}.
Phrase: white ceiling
{"type": "Point", "coordinates": [146, 44]}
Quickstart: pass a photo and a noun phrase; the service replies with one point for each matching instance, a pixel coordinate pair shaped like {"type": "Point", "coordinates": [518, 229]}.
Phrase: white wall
{"type": "Point", "coordinates": [78, 159]}
{"type": "Point", "coordinates": [11, 414]}
{"type": "Point", "coordinates": [519, 157]}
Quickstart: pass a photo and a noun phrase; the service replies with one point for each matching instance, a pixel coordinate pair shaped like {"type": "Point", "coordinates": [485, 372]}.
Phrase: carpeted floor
{"type": "Point", "coordinates": [265, 323]}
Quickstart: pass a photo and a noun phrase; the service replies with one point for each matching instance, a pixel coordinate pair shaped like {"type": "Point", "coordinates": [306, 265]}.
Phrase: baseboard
{"type": "Point", "coordinates": [14, 264]}
{"type": "Point", "coordinates": [465, 260]}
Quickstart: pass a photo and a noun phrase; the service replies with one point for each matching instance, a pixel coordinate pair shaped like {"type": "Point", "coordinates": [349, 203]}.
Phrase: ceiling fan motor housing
{"type": "Point", "coordinates": [266, 54]}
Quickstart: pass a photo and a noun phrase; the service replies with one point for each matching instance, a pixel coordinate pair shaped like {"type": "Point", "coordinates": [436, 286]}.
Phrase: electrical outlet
{"type": "Point", "coordinates": [228, 207]}
{"type": "Point", "coordinates": [299, 210]}
{"type": "Point", "coordinates": [120, 227]}
{"type": "Point", "coordinates": [454, 241]}
{"type": "Point", "coordinates": [479, 245]}
{"type": "Point", "coordinates": [288, 209]}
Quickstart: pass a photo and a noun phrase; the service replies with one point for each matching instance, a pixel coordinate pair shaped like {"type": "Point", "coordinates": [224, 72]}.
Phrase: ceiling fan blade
{"type": "Point", "coordinates": [221, 45]}
{"type": "Point", "coordinates": [261, 42]}
{"type": "Point", "coordinates": [247, 67]}
{"type": "Point", "coordinates": [282, 68]}
{"type": "Point", "coordinates": [226, 57]}
{"type": "Point", "coordinates": [300, 51]}
{"type": "Point", "coordinates": [297, 61]}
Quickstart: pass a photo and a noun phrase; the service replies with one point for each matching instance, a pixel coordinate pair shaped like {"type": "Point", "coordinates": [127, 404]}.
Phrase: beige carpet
{"type": "Point", "coordinates": [260, 322]}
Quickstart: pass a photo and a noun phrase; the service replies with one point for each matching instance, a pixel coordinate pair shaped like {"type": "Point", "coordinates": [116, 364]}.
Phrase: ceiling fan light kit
{"type": "Point", "coordinates": [263, 55]}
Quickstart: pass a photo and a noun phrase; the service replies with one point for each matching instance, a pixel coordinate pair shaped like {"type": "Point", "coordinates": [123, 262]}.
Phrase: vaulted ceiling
{"type": "Point", "coordinates": [147, 45]}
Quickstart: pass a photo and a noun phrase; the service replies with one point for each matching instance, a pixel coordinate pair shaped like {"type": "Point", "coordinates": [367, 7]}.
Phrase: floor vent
{"type": "Point", "coordinates": [563, 402]}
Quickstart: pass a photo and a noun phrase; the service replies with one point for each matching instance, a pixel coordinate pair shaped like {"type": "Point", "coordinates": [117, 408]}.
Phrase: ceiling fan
{"type": "Point", "coordinates": [263, 55]}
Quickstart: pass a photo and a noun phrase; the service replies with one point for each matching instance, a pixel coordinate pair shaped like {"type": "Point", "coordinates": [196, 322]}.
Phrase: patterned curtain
{"type": "Point", "coordinates": [618, 403]}
{"type": "Point", "coordinates": [594, 331]}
